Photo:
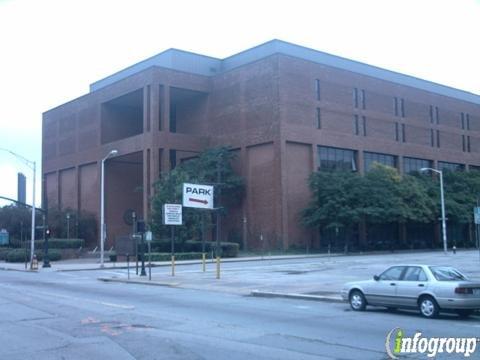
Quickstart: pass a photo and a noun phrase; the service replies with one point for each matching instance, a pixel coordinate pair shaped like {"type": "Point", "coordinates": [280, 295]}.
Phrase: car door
{"type": "Point", "coordinates": [383, 291]}
{"type": "Point", "coordinates": [413, 282]}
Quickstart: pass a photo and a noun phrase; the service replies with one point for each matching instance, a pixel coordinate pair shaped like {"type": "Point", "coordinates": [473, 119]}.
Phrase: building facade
{"type": "Point", "coordinates": [286, 111]}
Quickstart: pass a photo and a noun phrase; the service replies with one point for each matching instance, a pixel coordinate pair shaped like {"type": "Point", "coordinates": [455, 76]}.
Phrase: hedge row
{"type": "Point", "coordinates": [168, 256]}
{"type": "Point", "coordinates": [229, 249]}
{"type": "Point", "coordinates": [61, 243]}
{"type": "Point", "coordinates": [18, 255]}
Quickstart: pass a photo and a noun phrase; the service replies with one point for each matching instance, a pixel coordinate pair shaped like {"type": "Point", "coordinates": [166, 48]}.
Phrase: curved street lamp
{"type": "Point", "coordinates": [102, 206]}
{"type": "Point", "coordinates": [442, 200]}
{"type": "Point", "coordinates": [31, 165]}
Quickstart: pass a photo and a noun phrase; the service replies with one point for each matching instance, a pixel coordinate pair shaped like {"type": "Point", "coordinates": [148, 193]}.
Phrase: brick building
{"type": "Point", "coordinates": [285, 109]}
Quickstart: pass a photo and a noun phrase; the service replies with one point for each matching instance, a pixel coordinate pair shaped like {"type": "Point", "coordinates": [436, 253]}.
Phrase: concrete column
{"type": "Point", "coordinates": [165, 108]}
{"type": "Point", "coordinates": [146, 109]}
{"type": "Point", "coordinates": [146, 183]}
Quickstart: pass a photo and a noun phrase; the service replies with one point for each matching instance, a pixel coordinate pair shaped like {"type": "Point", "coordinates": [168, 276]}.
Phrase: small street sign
{"type": "Point", "coordinates": [148, 236]}
{"type": "Point", "coordinates": [198, 196]}
{"type": "Point", "coordinates": [476, 214]}
{"type": "Point", "coordinates": [172, 214]}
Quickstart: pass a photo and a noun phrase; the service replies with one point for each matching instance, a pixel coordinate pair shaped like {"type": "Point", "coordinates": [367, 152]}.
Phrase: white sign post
{"type": "Point", "coordinates": [198, 196]}
{"type": "Point", "coordinates": [476, 215]}
{"type": "Point", "coordinates": [172, 214]}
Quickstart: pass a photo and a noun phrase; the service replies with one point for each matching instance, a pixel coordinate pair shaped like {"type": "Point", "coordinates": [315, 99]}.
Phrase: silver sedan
{"type": "Point", "coordinates": [431, 289]}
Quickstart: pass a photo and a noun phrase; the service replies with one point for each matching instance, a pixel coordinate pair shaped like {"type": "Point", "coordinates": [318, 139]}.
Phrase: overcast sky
{"type": "Point", "coordinates": [50, 51]}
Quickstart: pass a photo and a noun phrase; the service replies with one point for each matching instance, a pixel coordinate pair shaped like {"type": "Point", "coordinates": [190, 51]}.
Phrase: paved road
{"type": "Point", "coordinates": [71, 315]}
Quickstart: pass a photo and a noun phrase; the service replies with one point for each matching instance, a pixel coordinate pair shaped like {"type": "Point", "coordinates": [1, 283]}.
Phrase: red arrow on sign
{"type": "Point", "coordinates": [204, 202]}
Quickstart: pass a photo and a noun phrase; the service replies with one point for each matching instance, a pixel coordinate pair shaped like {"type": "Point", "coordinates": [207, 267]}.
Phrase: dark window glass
{"type": "Point", "coordinates": [356, 126]}
{"type": "Point", "coordinates": [173, 159]}
{"type": "Point", "coordinates": [364, 125]}
{"type": "Point", "coordinates": [364, 101]}
{"type": "Point", "coordinates": [443, 165]}
{"type": "Point", "coordinates": [413, 164]}
{"type": "Point", "coordinates": [474, 167]}
{"type": "Point", "coordinates": [393, 273]}
{"type": "Point", "coordinates": [437, 115]}
{"type": "Point", "coordinates": [432, 138]}
{"type": "Point", "coordinates": [396, 132]}
{"type": "Point", "coordinates": [463, 120]}
{"type": "Point", "coordinates": [468, 144]}
{"type": "Point", "coordinates": [317, 88]}
{"type": "Point", "coordinates": [402, 107]}
{"type": "Point", "coordinates": [403, 133]}
{"type": "Point", "coordinates": [464, 145]}
{"type": "Point", "coordinates": [431, 114]}
{"type": "Point", "coordinates": [468, 121]}
{"type": "Point", "coordinates": [395, 106]}
{"type": "Point", "coordinates": [414, 273]}
{"type": "Point", "coordinates": [355, 97]}
{"type": "Point", "coordinates": [438, 138]}
{"type": "Point", "coordinates": [336, 159]}
{"type": "Point", "coordinates": [370, 158]}
{"type": "Point", "coordinates": [319, 118]}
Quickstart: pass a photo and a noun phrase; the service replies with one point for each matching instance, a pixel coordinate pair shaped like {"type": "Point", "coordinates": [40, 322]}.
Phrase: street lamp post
{"type": "Point", "coordinates": [442, 201]}
{"type": "Point", "coordinates": [68, 225]}
{"type": "Point", "coordinates": [102, 206]}
{"type": "Point", "coordinates": [31, 165]}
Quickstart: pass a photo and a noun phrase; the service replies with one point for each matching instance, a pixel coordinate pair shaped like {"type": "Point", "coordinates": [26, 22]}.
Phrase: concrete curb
{"type": "Point", "coordinates": [268, 294]}
{"type": "Point", "coordinates": [139, 282]}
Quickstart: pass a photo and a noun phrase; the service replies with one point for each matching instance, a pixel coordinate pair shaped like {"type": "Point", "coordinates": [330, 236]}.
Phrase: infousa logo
{"type": "Point", "coordinates": [398, 344]}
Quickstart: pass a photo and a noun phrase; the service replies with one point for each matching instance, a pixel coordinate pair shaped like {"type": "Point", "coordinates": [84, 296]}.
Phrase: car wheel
{"type": "Point", "coordinates": [464, 313]}
{"type": "Point", "coordinates": [357, 300]}
{"type": "Point", "coordinates": [428, 307]}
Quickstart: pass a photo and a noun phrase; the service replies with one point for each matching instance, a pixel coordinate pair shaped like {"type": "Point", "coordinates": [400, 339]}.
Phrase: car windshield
{"type": "Point", "coordinates": [443, 273]}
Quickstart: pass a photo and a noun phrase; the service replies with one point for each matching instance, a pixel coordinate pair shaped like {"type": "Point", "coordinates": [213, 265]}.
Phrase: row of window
{"type": "Point", "coordinates": [360, 128]}
{"type": "Point", "coordinates": [360, 102]}
{"type": "Point", "coordinates": [331, 158]}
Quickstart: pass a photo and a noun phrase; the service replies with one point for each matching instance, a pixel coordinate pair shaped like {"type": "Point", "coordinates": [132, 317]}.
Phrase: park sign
{"type": "Point", "coordinates": [172, 214]}
{"type": "Point", "coordinates": [198, 196]}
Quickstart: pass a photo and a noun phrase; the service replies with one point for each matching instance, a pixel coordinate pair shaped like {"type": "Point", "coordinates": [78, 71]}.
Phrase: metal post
{"type": "Point", "coordinates": [68, 226]}
{"type": "Point", "coordinates": [143, 272]}
{"type": "Point", "coordinates": [149, 263]}
{"type": "Point", "coordinates": [128, 266]}
{"type": "Point", "coordinates": [102, 206]}
{"type": "Point", "coordinates": [444, 225]}
{"type": "Point", "coordinates": [172, 227]}
{"type": "Point", "coordinates": [32, 245]}
{"type": "Point", "coordinates": [218, 194]}
{"type": "Point", "coordinates": [203, 242]}
{"type": "Point", "coordinates": [46, 260]}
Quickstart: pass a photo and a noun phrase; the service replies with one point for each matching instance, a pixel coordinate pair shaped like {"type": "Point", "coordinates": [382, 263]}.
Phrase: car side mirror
{"type": "Point", "coordinates": [376, 277]}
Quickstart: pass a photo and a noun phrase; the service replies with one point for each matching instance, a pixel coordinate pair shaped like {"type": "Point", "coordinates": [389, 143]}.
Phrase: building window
{"type": "Point", "coordinates": [355, 98]}
{"type": "Point", "coordinates": [317, 88]}
{"type": "Point", "coordinates": [403, 133]}
{"type": "Point", "coordinates": [395, 106]}
{"type": "Point", "coordinates": [431, 114]}
{"type": "Point", "coordinates": [364, 125]}
{"type": "Point", "coordinates": [474, 167]}
{"type": "Point", "coordinates": [432, 138]}
{"type": "Point", "coordinates": [370, 158]}
{"type": "Point", "coordinates": [443, 165]}
{"type": "Point", "coordinates": [468, 144]}
{"type": "Point", "coordinates": [364, 101]}
{"type": "Point", "coordinates": [319, 119]}
{"type": "Point", "coordinates": [463, 120]}
{"type": "Point", "coordinates": [336, 159]}
{"type": "Point", "coordinates": [402, 107]}
{"type": "Point", "coordinates": [468, 121]}
{"type": "Point", "coordinates": [464, 143]}
{"type": "Point", "coordinates": [437, 115]}
{"type": "Point", "coordinates": [438, 138]}
{"type": "Point", "coordinates": [397, 138]}
{"type": "Point", "coordinates": [356, 126]}
{"type": "Point", "coordinates": [412, 164]}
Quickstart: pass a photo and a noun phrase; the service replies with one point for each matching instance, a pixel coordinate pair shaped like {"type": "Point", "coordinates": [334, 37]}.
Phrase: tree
{"type": "Point", "coordinates": [205, 169]}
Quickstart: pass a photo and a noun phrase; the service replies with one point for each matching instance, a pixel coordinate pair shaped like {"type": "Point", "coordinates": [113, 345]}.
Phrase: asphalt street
{"type": "Point", "coordinates": [72, 315]}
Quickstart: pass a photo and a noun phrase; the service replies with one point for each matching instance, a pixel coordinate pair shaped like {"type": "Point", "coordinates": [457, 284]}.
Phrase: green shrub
{"type": "Point", "coordinates": [168, 256]}
{"type": "Point", "coordinates": [3, 252]}
{"type": "Point", "coordinates": [61, 243]}
{"type": "Point", "coordinates": [18, 255]}
{"type": "Point", "coordinates": [229, 249]}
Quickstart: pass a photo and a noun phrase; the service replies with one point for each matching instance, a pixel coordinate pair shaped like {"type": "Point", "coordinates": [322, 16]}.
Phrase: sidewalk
{"type": "Point", "coordinates": [308, 277]}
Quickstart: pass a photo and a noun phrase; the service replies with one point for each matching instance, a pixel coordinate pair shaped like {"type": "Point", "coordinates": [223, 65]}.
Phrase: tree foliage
{"type": "Point", "coordinates": [205, 169]}
{"type": "Point", "coordinates": [382, 196]}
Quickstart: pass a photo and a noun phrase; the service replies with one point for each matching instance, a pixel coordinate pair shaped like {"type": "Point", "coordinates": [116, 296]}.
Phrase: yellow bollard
{"type": "Point", "coordinates": [203, 261]}
{"type": "Point", "coordinates": [34, 264]}
{"type": "Point", "coordinates": [218, 267]}
{"type": "Point", "coordinates": [173, 265]}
